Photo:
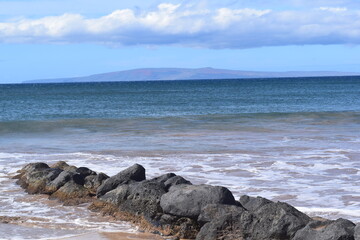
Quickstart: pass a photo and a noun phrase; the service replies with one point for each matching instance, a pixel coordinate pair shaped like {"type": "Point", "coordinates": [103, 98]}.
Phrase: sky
{"type": "Point", "coordinates": [42, 39]}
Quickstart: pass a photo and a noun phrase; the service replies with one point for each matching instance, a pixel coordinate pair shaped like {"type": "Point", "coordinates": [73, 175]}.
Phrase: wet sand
{"type": "Point", "coordinates": [115, 236]}
{"type": "Point", "coordinates": [13, 230]}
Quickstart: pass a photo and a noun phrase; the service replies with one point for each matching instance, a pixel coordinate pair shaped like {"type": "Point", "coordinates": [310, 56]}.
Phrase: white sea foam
{"type": "Point", "coordinates": [304, 180]}
{"type": "Point", "coordinates": [331, 212]}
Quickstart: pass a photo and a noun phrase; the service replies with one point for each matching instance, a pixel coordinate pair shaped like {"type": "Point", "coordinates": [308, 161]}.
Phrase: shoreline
{"type": "Point", "coordinates": [43, 233]}
{"type": "Point", "coordinates": [171, 206]}
{"type": "Point", "coordinates": [113, 236]}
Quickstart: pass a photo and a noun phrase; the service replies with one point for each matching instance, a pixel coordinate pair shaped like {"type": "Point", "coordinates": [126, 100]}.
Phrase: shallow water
{"type": "Point", "coordinates": [296, 141]}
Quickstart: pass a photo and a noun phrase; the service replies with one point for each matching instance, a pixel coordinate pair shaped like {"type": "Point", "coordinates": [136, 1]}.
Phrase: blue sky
{"type": "Point", "coordinates": [65, 38]}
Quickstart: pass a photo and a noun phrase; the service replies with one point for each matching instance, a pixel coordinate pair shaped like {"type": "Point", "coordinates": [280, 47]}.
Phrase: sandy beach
{"type": "Point", "coordinates": [114, 236]}
{"type": "Point", "coordinates": [29, 232]}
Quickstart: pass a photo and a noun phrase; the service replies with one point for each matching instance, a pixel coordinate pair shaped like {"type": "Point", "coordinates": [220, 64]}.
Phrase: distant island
{"type": "Point", "coordinates": [154, 74]}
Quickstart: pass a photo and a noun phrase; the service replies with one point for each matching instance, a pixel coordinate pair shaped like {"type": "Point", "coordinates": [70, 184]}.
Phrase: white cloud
{"type": "Point", "coordinates": [333, 9]}
{"type": "Point", "coordinates": [189, 25]}
{"type": "Point", "coordinates": [226, 16]}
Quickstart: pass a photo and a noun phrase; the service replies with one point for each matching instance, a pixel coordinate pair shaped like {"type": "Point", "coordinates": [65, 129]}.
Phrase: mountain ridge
{"type": "Point", "coordinates": [160, 74]}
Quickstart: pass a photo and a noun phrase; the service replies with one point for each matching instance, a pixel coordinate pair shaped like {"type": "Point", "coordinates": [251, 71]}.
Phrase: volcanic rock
{"type": "Point", "coordinates": [272, 221]}
{"type": "Point", "coordinates": [138, 198]}
{"type": "Point", "coordinates": [215, 211]}
{"type": "Point", "coordinates": [133, 173]}
{"type": "Point", "coordinates": [341, 229]}
{"type": "Point", "coordinates": [253, 203]}
{"type": "Point", "coordinates": [188, 200]}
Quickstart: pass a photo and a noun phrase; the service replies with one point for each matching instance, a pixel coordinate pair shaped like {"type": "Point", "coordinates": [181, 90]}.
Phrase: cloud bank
{"type": "Point", "coordinates": [191, 26]}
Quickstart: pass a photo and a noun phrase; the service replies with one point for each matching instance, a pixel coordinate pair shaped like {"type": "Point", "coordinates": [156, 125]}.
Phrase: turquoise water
{"type": "Point", "coordinates": [294, 140]}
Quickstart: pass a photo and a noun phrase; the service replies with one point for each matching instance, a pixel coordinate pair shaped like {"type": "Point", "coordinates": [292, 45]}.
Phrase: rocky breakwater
{"type": "Point", "coordinates": [171, 205]}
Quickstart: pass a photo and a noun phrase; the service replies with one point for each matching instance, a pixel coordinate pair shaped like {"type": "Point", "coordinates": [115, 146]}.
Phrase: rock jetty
{"type": "Point", "coordinates": [172, 206]}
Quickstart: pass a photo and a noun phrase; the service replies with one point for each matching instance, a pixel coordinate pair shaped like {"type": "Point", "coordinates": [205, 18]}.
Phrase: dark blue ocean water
{"type": "Point", "coordinates": [177, 98]}
{"type": "Point", "coordinates": [294, 140]}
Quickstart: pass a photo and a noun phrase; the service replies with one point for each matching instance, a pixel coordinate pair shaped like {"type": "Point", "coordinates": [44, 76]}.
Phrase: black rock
{"type": "Point", "coordinates": [188, 200]}
{"type": "Point", "coordinates": [170, 179]}
{"type": "Point", "coordinates": [357, 232]}
{"type": "Point", "coordinates": [133, 173]}
{"type": "Point", "coordinates": [253, 203]}
{"type": "Point", "coordinates": [34, 167]}
{"type": "Point", "coordinates": [116, 196]}
{"type": "Point", "coordinates": [84, 171]}
{"type": "Point", "coordinates": [176, 181]}
{"type": "Point", "coordinates": [215, 211]}
{"type": "Point", "coordinates": [278, 221]}
{"type": "Point", "coordinates": [92, 182]}
{"type": "Point", "coordinates": [100, 178]}
{"type": "Point", "coordinates": [138, 198]}
{"type": "Point", "coordinates": [35, 181]}
{"type": "Point", "coordinates": [64, 166]}
{"type": "Point", "coordinates": [53, 173]}
{"type": "Point", "coordinates": [275, 221]}
{"type": "Point", "coordinates": [71, 193]}
{"type": "Point", "coordinates": [60, 164]}
{"type": "Point", "coordinates": [340, 229]}
{"type": "Point", "coordinates": [62, 179]}
{"type": "Point", "coordinates": [228, 227]}
{"type": "Point", "coordinates": [163, 178]}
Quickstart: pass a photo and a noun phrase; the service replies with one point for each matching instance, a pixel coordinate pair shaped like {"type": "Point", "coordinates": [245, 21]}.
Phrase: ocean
{"type": "Point", "coordinates": [295, 140]}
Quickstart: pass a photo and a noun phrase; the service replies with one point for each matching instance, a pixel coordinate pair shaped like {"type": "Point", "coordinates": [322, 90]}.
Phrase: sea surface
{"type": "Point", "coordinates": [295, 140]}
